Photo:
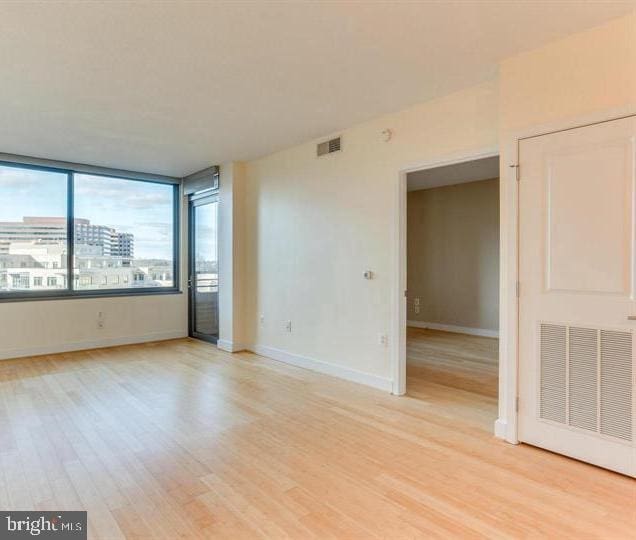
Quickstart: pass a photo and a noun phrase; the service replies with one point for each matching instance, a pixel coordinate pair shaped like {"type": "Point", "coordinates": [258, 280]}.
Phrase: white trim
{"type": "Point", "coordinates": [500, 429]}
{"type": "Point", "coordinates": [452, 159]}
{"type": "Point", "coordinates": [229, 346]}
{"type": "Point", "coordinates": [484, 332]}
{"type": "Point", "coordinates": [398, 291]}
{"type": "Point", "coordinates": [506, 425]}
{"type": "Point", "coordinates": [326, 368]}
{"type": "Point", "coordinates": [9, 354]}
{"type": "Point", "coordinates": [398, 287]}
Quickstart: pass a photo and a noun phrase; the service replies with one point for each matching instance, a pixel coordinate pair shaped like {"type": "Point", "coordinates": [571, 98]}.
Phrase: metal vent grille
{"type": "Point", "coordinates": [553, 352]}
{"type": "Point", "coordinates": [328, 147]}
{"type": "Point", "coordinates": [582, 380]}
{"type": "Point", "coordinates": [616, 384]}
{"type": "Point", "coordinates": [586, 379]}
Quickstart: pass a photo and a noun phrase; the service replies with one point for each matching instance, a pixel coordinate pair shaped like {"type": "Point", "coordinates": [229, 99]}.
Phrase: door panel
{"type": "Point", "coordinates": [588, 218]}
{"type": "Point", "coordinates": [204, 283]}
{"type": "Point", "coordinates": [576, 272]}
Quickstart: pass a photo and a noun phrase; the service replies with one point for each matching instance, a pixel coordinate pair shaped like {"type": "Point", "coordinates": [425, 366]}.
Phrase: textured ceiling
{"type": "Point", "coordinates": [173, 87]}
{"type": "Point", "coordinates": [458, 173]}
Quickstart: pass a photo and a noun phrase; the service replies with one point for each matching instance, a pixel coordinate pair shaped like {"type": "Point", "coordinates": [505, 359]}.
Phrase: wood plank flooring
{"type": "Point", "coordinates": [457, 373]}
{"type": "Point", "coordinates": [180, 440]}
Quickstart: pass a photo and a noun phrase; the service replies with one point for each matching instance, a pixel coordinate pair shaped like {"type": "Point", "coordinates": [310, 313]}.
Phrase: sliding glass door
{"type": "Point", "coordinates": [203, 282]}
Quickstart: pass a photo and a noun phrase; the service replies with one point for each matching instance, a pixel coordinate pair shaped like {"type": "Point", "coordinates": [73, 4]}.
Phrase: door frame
{"type": "Point", "coordinates": [194, 200]}
{"type": "Point", "coordinates": [398, 292]}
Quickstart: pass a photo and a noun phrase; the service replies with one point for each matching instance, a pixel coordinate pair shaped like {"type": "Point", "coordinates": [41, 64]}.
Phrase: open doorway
{"type": "Point", "coordinates": [452, 301]}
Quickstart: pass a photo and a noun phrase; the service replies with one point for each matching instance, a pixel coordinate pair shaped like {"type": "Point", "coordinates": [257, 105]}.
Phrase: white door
{"type": "Point", "coordinates": [577, 277]}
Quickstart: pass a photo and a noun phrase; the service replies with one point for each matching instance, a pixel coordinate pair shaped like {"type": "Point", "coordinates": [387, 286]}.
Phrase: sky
{"type": "Point", "coordinates": [141, 208]}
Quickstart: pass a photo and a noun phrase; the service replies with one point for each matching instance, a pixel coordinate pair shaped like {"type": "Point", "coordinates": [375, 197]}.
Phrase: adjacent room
{"type": "Point", "coordinates": [453, 288]}
{"type": "Point", "coordinates": [359, 269]}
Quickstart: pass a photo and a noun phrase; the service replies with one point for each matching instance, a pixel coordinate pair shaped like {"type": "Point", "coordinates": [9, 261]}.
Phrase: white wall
{"type": "Point", "coordinates": [30, 328]}
{"type": "Point", "coordinates": [314, 225]}
{"type": "Point", "coordinates": [591, 71]}
{"type": "Point", "coordinates": [231, 256]}
{"type": "Point", "coordinates": [48, 326]}
{"type": "Point", "coordinates": [453, 256]}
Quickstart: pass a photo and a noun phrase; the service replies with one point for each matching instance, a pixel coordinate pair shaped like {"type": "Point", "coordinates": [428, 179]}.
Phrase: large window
{"type": "Point", "coordinates": [123, 229]}
{"type": "Point", "coordinates": [123, 237]}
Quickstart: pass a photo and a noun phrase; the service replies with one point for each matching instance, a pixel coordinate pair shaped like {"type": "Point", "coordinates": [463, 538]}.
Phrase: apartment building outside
{"type": "Point", "coordinates": [52, 230]}
{"type": "Point", "coordinates": [33, 256]}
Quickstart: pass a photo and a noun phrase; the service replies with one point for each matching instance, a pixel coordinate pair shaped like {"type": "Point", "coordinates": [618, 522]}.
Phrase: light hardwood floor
{"type": "Point", "coordinates": [180, 440]}
{"type": "Point", "coordinates": [457, 373]}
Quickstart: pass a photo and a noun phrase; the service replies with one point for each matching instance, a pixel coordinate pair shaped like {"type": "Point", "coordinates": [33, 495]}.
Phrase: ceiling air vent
{"type": "Point", "coordinates": [329, 147]}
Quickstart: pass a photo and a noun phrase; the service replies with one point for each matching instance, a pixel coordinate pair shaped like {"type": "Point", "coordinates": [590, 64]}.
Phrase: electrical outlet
{"type": "Point", "coordinates": [383, 340]}
{"type": "Point", "coordinates": [100, 319]}
{"type": "Point", "coordinates": [288, 326]}
{"type": "Point", "coordinates": [262, 319]}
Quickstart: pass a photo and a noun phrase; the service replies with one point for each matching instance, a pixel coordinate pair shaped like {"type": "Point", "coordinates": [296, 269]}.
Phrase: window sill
{"type": "Point", "coordinates": [56, 295]}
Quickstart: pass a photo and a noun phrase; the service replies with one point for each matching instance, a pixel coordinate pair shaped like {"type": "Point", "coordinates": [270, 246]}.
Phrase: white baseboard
{"type": "Point", "coordinates": [457, 329]}
{"type": "Point", "coordinates": [230, 346]}
{"type": "Point", "coordinates": [226, 345]}
{"type": "Point", "coordinates": [86, 345]}
{"type": "Point", "coordinates": [326, 368]}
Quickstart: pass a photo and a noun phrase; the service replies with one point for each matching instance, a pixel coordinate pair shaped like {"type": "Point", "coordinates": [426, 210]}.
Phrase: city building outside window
{"type": "Point", "coordinates": [20, 281]}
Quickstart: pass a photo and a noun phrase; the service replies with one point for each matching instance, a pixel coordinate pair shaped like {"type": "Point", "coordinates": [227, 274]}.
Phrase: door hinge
{"type": "Point", "coordinates": [518, 289]}
{"type": "Point", "coordinates": [517, 404]}
{"type": "Point", "coordinates": [406, 293]}
{"type": "Point", "coordinates": [516, 168]}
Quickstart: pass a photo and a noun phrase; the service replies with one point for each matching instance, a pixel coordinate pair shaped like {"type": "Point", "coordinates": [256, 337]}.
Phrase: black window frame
{"type": "Point", "coordinates": [70, 292]}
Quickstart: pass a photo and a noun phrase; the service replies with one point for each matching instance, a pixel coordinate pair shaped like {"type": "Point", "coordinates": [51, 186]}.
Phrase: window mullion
{"type": "Point", "coordinates": [70, 233]}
